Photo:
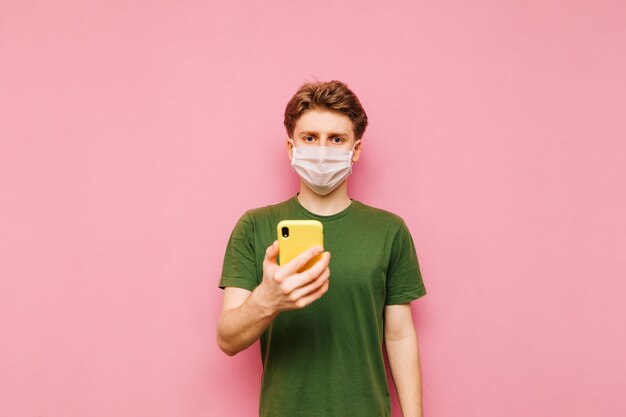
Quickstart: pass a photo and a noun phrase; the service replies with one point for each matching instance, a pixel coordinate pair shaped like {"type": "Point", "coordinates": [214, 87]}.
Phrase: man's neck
{"type": "Point", "coordinates": [324, 205]}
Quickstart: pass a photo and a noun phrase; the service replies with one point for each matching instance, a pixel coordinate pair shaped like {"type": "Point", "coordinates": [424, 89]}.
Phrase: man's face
{"type": "Point", "coordinates": [325, 128]}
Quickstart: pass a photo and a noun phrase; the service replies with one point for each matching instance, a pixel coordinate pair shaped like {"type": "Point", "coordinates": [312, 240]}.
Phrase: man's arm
{"type": "Point", "coordinates": [403, 355]}
{"type": "Point", "coordinates": [245, 315]}
{"type": "Point", "coordinates": [242, 321]}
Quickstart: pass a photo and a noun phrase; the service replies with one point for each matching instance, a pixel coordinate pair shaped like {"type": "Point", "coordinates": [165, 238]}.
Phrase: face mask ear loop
{"type": "Point", "coordinates": [293, 151]}
{"type": "Point", "coordinates": [352, 153]}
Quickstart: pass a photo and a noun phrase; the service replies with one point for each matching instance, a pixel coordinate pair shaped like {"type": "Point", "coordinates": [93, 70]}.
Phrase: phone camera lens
{"type": "Point", "coordinates": [285, 231]}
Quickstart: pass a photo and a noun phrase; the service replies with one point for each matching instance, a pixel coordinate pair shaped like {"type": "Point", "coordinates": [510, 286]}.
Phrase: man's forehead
{"type": "Point", "coordinates": [324, 121]}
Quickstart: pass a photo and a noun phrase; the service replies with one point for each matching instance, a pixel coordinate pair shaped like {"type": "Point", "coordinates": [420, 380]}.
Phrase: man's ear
{"type": "Point", "coordinates": [357, 151]}
{"type": "Point", "coordinates": [290, 148]}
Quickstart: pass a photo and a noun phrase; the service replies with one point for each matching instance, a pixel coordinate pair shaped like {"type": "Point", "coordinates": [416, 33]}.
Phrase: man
{"type": "Point", "coordinates": [321, 333]}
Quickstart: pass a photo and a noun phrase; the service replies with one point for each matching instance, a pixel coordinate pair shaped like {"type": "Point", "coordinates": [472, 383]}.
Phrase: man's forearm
{"type": "Point", "coordinates": [240, 327]}
{"type": "Point", "coordinates": [403, 358]}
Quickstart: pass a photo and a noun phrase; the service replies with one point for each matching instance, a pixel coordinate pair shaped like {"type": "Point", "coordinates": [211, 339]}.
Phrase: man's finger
{"type": "Point", "coordinates": [317, 268]}
{"type": "Point", "coordinates": [272, 252]}
{"type": "Point", "coordinates": [308, 299]}
{"type": "Point", "coordinates": [299, 261]}
{"type": "Point", "coordinates": [308, 276]}
{"type": "Point", "coordinates": [305, 290]}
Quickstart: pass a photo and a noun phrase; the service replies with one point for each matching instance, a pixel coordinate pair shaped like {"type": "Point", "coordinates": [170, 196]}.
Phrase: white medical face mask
{"type": "Point", "coordinates": [322, 168]}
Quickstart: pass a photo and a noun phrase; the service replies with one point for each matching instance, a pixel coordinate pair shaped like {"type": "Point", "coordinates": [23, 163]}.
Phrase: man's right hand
{"type": "Point", "coordinates": [245, 315]}
{"type": "Point", "coordinates": [284, 288]}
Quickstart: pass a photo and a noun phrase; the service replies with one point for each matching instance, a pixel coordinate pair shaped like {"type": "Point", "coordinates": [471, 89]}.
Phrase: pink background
{"type": "Point", "coordinates": [134, 134]}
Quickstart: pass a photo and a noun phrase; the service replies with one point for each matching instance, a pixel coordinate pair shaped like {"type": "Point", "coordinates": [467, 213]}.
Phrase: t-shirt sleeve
{"type": "Point", "coordinates": [239, 268]}
{"type": "Point", "coordinates": [404, 278]}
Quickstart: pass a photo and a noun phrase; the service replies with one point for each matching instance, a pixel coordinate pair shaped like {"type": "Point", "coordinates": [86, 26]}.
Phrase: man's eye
{"type": "Point", "coordinates": [338, 139]}
{"type": "Point", "coordinates": [309, 138]}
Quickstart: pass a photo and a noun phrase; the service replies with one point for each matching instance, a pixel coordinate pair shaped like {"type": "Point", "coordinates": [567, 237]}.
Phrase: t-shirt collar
{"type": "Point", "coordinates": [307, 213]}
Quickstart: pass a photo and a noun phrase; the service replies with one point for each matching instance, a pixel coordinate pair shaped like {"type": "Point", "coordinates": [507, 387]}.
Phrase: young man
{"type": "Point", "coordinates": [321, 332]}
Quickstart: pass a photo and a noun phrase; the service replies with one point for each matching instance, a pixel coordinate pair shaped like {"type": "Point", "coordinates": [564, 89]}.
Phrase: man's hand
{"type": "Point", "coordinates": [245, 315]}
{"type": "Point", "coordinates": [284, 288]}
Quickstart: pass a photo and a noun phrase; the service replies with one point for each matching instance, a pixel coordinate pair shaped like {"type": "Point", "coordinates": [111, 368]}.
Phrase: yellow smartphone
{"type": "Point", "coordinates": [296, 236]}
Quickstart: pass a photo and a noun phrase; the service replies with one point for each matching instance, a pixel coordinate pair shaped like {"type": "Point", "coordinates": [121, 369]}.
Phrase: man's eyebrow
{"type": "Point", "coordinates": [314, 133]}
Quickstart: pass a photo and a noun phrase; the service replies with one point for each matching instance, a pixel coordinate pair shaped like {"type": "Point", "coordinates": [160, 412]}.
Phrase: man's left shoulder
{"type": "Point", "coordinates": [380, 215]}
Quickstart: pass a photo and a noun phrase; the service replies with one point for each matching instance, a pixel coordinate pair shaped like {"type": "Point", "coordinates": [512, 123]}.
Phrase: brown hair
{"type": "Point", "coordinates": [329, 95]}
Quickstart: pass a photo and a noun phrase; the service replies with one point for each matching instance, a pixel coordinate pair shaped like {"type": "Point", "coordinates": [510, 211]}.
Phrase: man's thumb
{"type": "Point", "coordinates": [272, 252]}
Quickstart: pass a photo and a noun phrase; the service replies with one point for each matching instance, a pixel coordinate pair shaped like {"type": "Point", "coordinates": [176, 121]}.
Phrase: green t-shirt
{"type": "Point", "coordinates": [326, 359]}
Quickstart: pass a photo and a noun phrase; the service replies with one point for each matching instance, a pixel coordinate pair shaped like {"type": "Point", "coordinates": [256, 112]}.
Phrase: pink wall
{"type": "Point", "coordinates": [134, 134]}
